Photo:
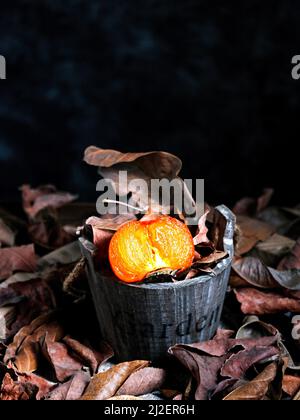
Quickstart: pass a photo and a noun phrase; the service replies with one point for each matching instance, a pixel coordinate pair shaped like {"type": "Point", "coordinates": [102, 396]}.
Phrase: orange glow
{"type": "Point", "coordinates": [141, 247]}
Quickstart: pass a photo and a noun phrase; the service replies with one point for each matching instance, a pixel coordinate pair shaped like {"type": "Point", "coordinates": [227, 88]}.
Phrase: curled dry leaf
{"type": "Point", "coordinates": [14, 390]}
{"type": "Point", "coordinates": [33, 297]}
{"type": "Point", "coordinates": [153, 164]}
{"type": "Point", "coordinates": [35, 200]}
{"type": "Point", "coordinates": [23, 333]}
{"type": "Point", "coordinates": [24, 351]}
{"type": "Point", "coordinates": [13, 259]}
{"type": "Point", "coordinates": [204, 369]}
{"type": "Point", "coordinates": [88, 355]}
{"type": "Point", "coordinates": [103, 230]}
{"type": "Point", "coordinates": [256, 273]}
{"type": "Point", "coordinates": [291, 385]}
{"type": "Point", "coordinates": [253, 206]}
{"type": "Point", "coordinates": [144, 381]}
{"type": "Point", "coordinates": [125, 398]}
{"type": "Point", "coordinates": [251, 231]}
{"type": "Point", "coordinates": [109, 223]}
{"type": "Point", "coordinates": [43, 386]}
{"type": "Point", "coordinates": [238, 364]}
{"type": "Point", "coordinates": [138, 166]}
{"type": "Point", "coordinates": [291, 261]}
{"type": "Point", "coordinates": [64, 365]}
{"type": "Point", "coordinates": [70, 390]}
{"type": "Point", "coordinates": [47, 232]}
{"type": "Point", "coordinates": [201, 236]}
{"type": "Point", "coordinates": [256, 302]}
{"type": "Point", "coordinates": [105, 385]}
{"type": "Point", "coordinates": [253, 328]}
{"type": "Point", "coordinates": [258, 388]}
{"type": "Point", "coordinates": [207, 360]}
{"type": "Point", "coordinates": [7, 235]}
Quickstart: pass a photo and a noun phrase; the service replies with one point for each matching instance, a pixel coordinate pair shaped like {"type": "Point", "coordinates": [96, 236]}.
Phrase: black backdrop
{"type": "Point", "coordinates": [209, 81]}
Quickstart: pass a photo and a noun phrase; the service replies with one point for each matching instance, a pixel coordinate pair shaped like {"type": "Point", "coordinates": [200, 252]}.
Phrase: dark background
{"type": "Point", "coordinates": [208, 81]}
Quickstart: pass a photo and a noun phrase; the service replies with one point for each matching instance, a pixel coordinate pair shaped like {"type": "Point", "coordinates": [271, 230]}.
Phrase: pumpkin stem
{"type": "Point", "coordinates": [129, 206]}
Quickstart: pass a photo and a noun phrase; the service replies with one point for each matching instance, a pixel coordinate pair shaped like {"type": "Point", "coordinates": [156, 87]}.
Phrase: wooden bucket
{"type": "Point", "coordinates": [141, 321]}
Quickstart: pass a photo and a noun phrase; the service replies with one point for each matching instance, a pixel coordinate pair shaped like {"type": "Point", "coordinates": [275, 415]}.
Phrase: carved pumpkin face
{"type": "Point", "coordinates": [141, 247]}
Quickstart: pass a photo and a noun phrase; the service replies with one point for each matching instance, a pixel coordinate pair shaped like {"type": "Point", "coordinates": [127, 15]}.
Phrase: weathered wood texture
{"type": "Point", "coordinates": [142, 321]}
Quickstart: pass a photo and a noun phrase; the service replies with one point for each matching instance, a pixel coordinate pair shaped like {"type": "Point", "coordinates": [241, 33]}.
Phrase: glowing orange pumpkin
{"type": "Point", "coordinates": [141, 247]}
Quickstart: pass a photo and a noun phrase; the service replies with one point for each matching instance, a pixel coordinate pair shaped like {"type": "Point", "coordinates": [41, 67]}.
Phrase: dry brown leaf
{"type": "Point", "coordinates": [105, 385]}
{"type": "Point", "coordinates": [251, 231]}
{"type": "Point", "coordinates": [153, 164]}
{"type": "Point", "coordinates": [88, 355]}
{"type": "Point", "coordinates": [291, 261]}
{"type": "Point", "coordinates": [253, 206]}
{"type": "Point", "coordinates": [7, 235]}
{"type": "Point", "coordinates": [291, 385]}
{"type": "Point", "coordinates": [27, 357]}
{"type": "Point", "coordinates": [256, 273]}
{"type": "Point", "coordinates": [125, 398]}
{"type": "Point", "coordinates": [16, 391]}
{"type": "Point", "coordinates": [13, 259]}
{"type": "Point", "coordinates": [64, 365]}
{"type": "Point", "coordinates": [24, 333]}
{"type": "Point", "coordinates": [142, 382]}
{"type": "Point", "coordinates": [138, 166]}
{"type": "Point", "coordinates": [109, 223]}
{"type": "Point", "coordinates": [70, 390]}
{"type": "Point", "coordinates": [238, 364]}
{"type": "Point", "coordinates": [256, 302]}
{"type": "Point", "coordinates": [44, 386]}
{"type": "Point", "coordinates": [35, 200]}
{"type": "Point", "coordinates": [201, 236]}
{"type": "Point", "coordinates": [258, 388]}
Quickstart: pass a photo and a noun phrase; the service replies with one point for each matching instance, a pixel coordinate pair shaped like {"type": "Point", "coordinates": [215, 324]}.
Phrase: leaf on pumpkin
{"type": "Point", "coordinates": [105, 385]}
{"type": "Point", "coordinates": [154, 164]}
{"type": "Point", "coordinates": [139, 166]}
{"type": "Point", "coordinates": [256, 302]}
{"type": "Point", "coordinates": [144, 381]}
{"type": "Point", "coordinates": [13, 259]}
{"type": "Point", "coordinates": [109, 223]}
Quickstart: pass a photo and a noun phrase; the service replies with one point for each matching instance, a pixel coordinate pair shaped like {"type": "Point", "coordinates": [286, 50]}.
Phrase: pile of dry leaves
{"type": "Point", "coordinates": [49, 339]}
